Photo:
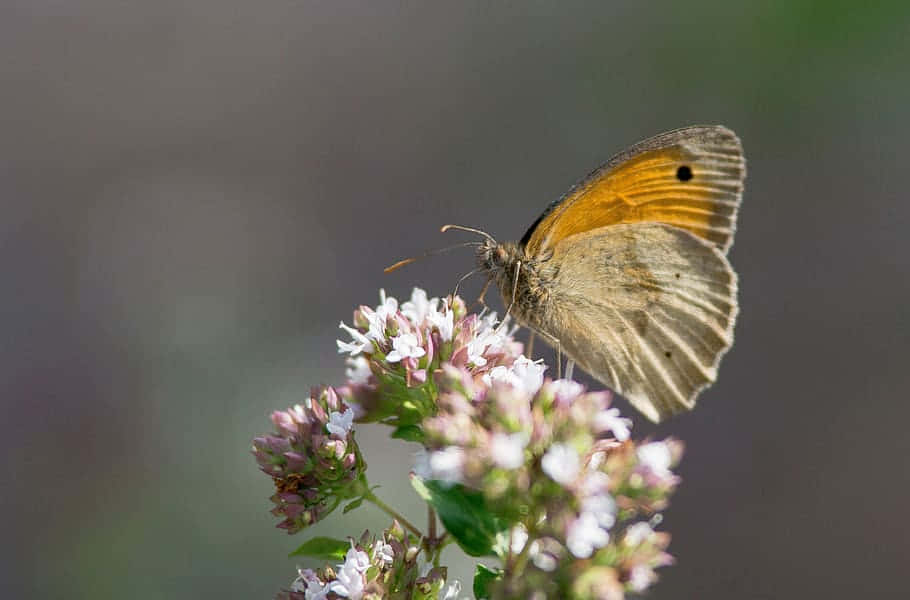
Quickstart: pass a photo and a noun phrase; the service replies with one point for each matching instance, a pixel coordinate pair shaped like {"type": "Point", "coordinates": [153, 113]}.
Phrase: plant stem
{"type": "Point", "coordinates": [431, 520]}
{"type": "Point", "coordinates": [515, 564]}
{"type": "Point", "coordinates": [370, 496]}
{"type": "Point", "coordinates": [519, 565]}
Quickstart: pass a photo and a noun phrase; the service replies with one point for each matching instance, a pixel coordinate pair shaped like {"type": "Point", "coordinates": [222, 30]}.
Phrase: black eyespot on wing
{"type": "Point", "coordinates": [684, 173]}
{"type": "Point", "coordinates": [668, 354]}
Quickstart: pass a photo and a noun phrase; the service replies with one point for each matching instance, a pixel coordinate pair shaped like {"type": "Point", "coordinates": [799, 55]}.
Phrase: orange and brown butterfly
{"type": "Point", "coordinates": [627, 273]}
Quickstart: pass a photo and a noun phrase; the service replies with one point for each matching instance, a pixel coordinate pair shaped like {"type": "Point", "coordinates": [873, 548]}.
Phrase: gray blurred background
{"type": "Point", "coordinates": [193, 195]}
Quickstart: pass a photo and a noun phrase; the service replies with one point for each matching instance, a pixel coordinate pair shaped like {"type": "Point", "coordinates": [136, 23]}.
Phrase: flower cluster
{"type": "Point", "coordinates": [541, 473]}
{"type": "Point", "coordinates": [396, 349]}
{"type": "Point", "coordinates": [625, 565]}
{"type": "Point", "coordinates": [313, 459]}
{"type": "Point", "coordinates": [385, 566]}
{"type": "Point", "coordinates": [558, 461]}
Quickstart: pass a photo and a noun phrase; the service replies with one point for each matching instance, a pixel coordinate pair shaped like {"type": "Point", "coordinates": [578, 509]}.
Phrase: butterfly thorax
{"type": "Point", "coordinates": [503, 262]}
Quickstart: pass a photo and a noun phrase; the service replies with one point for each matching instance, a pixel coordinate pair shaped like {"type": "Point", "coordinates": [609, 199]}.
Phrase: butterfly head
{"type": "Point", "coordinates": [495, 258]}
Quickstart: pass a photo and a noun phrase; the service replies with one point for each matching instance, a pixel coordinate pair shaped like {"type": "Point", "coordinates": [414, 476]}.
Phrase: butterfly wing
{"type": "Point", "coordinates": [646, 308]}
{"type": "Point", "coordinates": [690, 178]}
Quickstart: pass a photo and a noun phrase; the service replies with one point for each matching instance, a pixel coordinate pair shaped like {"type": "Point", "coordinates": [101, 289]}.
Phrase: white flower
{"type": "Point", "coordinates": [543, 560]}
{"type": "Point", "coordinates": [641, 577]}
{"type": "Point", "coordinates": [529, 373]}
{"type": "Point", "coordinates": [376, 323]}
{"type": "Point", "coordinates": [488, 322]}
{"type": "Point", "coordinates": [584, 535]}
{"type": "Point", "coordinates": [596, 499]}
{"type": "Point", "coordinates": [500, 373]}
{"type": "Point", "coordinates": [387, 305]}
{"type": "Point", "coordinates": [603, 507]}
{"type": "Point", "coordinates": [376, 319]}
{"type": "Point", "coordinates": [316, 591]}
{"type": "Point", "coordinates": [610, 420]}
{"type": "Point", "coordinates": [340, 424]}
{"type": "Point", "coordinates": [476, 348]}
{"type": "Point", "coordinates": [486, 337]}
{"type": "Point", "coordinates": [383, 552]}
{"type": "Point", "coordinates": [657, 457]}
{"type": "Point", "coordinates": [349, 583]}
{"type": "Point", "coordinates": [350, 580]}
{"type": "Point", "coordinates": [637, 534]}
{"type": "Point", "coordinates": [358, 370]}
{"type": "Point", "coordinates": [303, 576]}
{"type": "Point", "coordinates": [508, 450]}
{"type": "Point", "coordinates": [310, 585]}
{"type": "Point", "coordinates": [519, 539]}
{"type": "Point", "coordinates": [419, 307]}
{"type": "Point", "coordinates": [355, 347]}
{"type": "Point", "coordinates": [561, 463]}
{"type": "Point", "coordinates": [356, 559]}
{"type": "Point", "coordinates": [524, 374]}
{"type": "Point", "coordinates": [405, 346]}
{"type": "Point", "coordinates": [479, 345]}
{"type": "Point", "coordinates": [513, 542]}
{"type": "Point", "coordinates": [443, 321]}
{"type": "Point", "coordinates": [446, 464]}
{"type": "Point", "coordinates": [564, 389]}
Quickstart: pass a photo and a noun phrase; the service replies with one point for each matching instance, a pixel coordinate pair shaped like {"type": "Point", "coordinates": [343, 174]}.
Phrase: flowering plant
{"type": "Point", "coordinates": [540, 474]}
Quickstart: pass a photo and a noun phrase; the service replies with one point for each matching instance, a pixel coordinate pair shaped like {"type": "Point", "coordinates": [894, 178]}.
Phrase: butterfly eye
{"type": "Point", "coordinates": [684, 173]}
{"type": "Point", "coordinates": [500, 255]}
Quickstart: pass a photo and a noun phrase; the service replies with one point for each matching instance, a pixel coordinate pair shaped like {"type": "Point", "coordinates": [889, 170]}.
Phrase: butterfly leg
{"type": "Point", "coordinates": [514, 292]}
{"type": "Point", "coordinates": [556, 346]}
{"type": "Point", "coordinates": [558, 359]}
{"type": "Point", "coordinates": [461, 280]}
{"type": "Point", "coordinates": [570, 368]}
{"type": "Point", "coordinates": [481, 299]}
{"type": "Point", "coordinates": [529, 349]}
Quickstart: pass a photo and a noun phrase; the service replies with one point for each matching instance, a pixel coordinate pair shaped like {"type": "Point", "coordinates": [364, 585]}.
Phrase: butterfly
{"type": "Point", "coordinates": [627, 274]}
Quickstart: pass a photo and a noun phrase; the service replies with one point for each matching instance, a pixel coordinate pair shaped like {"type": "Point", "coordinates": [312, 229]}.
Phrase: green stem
{"type": "Point", "coordinates": [439, 545]}
{"type": "Point", "coordinates": [516, 564]}
{"type": "Point", "coordinates": [370, 496]}
{"type": "Point", "coordinates": [519, 565]}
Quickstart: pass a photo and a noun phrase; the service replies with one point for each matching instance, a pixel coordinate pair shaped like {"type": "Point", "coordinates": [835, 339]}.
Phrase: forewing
{"type": "Point", "coordinates": [647, 309]}
{"type": "Point", "coordinates": [691, 178]}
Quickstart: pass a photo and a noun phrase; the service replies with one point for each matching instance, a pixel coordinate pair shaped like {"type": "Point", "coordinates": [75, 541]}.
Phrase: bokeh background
{"type": "Point", "coordinates": [193, 194]}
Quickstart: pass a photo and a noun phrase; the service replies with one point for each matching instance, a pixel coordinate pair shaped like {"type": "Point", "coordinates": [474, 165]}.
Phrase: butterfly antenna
{"type": "Point", "coordinates": [408, 261]}
{"type": "Point", "coordinates": [469, 230]}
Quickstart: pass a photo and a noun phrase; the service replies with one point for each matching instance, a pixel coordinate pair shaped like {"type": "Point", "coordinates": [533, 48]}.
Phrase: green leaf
{"type": "Point", "coordinates": [400, 405]}
{"type": "Point", "coordinates": [464, 514]}
{"type": "Point", "coordinates": [410, 433]}
{"type": "Point", "coordinates": [325, 548]}
{"type": "Point", "coordinates": [483, 577]}
{"type": "Point", "coordinates": [352, 505]}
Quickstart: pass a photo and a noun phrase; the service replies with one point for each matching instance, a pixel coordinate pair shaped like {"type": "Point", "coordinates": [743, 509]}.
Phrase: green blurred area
{"type": "Point", "coordinates": [194, 194]}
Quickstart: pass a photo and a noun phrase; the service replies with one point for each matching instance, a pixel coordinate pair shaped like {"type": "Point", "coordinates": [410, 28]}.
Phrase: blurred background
{"type": "Point", "coordinates": [193, 194]}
